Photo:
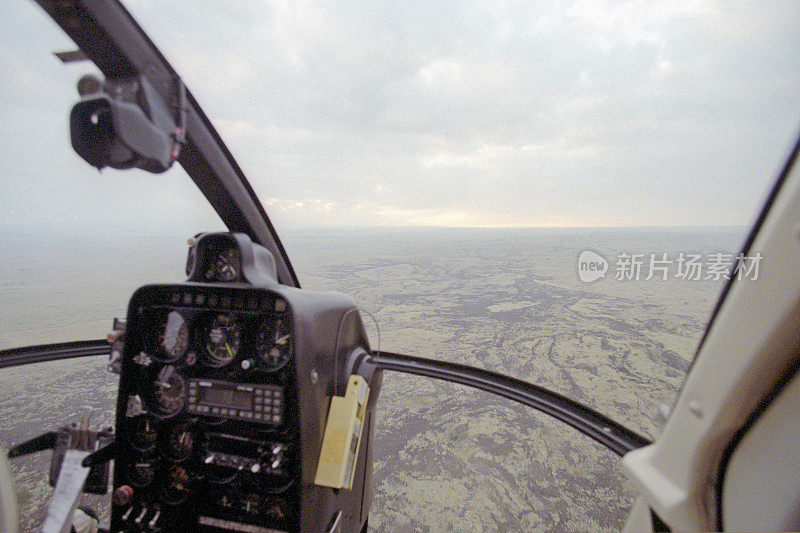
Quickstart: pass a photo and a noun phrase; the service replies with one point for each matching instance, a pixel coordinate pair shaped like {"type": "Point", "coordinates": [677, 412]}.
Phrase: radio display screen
{"type": "Point", "coordinates": [226, 397]}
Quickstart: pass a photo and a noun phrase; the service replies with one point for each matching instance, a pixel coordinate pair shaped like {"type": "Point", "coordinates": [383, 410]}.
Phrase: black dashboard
{"type": "Point", "coordinates": [224, 389]}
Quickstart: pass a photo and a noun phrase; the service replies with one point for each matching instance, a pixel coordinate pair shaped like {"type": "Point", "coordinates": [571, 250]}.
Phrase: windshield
{"type": "Point", "coordinates": [552, 193]}
{"type": "Point", "coordinates": [76, 241]}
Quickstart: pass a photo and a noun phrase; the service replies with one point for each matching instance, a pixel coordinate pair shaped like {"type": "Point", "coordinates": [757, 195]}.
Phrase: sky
{"type": "Point", "coordinates": [573, 113]}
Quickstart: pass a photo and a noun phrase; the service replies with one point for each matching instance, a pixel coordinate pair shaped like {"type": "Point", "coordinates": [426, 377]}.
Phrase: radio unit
{"type": "Point", "coordinates": [243, 401]}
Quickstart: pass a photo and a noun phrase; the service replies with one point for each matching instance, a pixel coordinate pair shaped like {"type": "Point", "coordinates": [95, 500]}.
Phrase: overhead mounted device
{"type": "Point", "coordinates": [124, 123]}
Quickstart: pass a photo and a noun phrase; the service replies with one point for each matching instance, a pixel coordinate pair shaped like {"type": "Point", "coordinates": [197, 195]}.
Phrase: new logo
{"type": "Point", "coordinates": [591, 266]}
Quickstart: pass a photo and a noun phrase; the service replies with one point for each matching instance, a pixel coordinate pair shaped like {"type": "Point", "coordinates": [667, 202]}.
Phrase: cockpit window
{"type": "Point", "coordinates": [555, 193]}
{"type": "Point", "coordinates": [76, 242]}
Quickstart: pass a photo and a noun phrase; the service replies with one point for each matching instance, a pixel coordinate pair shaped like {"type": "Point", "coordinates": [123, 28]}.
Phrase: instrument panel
{"type": "Point", "coordinates": [210, 432]}
{"type": "Point", "coordinates": [206, 435]}
{"type": "Point", "coordinates": [215, 337]}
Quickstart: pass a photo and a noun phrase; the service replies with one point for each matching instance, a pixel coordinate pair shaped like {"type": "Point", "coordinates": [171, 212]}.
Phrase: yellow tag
{"type": "Point", "coordinates": [342, 439]}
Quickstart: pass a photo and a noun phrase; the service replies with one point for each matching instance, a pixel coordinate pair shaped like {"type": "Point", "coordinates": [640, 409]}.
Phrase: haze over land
{"type": "Point", "coordinates": [447, 457]}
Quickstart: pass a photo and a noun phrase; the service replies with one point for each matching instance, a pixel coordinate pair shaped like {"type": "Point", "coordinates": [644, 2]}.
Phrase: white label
{"type": "Point", "coordinates": [68, 489]}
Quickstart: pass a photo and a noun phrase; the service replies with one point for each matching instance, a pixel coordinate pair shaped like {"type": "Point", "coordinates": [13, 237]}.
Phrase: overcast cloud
{"type": "Point", "coordinates": [584, 113]}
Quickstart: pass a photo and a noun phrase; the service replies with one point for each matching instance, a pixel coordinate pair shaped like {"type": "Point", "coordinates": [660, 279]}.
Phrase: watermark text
{"type": "Point", "coordinates": [687, 266]}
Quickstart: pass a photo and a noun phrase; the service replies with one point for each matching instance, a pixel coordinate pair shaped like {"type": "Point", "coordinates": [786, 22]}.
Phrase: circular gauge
{"type": "Point", "coordinates": [227, 499]}
{"type": "Point", "coordinates": [223, 337]}
{"type": "Point", "coordinates": [252, 504]}
{"type": "Point", "coordinates": [142, 472]}
{"type": "Point", "coordinates": [180, 442]}
{"type": "Point", "coordinates": [274, 344]}
{"type": "Point", "coordinates": [276, 508]}
{"type": "Point", "coordinates": [175, 488]}
{"type": "Point", "coordinates": [144, 432]}
{"type": "Point", "coordinates": [169, 388]}
{"type": "Point", "coordinates": [225, 266]}
{"type": "Point", "coordinates": [173, 337]}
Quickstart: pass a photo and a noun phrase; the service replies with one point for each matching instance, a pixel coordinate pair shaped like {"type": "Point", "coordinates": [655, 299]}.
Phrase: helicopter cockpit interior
{"type": "Point", "coordinates": [224, 382]}
{"type": "Point", "coordinates": [247, 403]}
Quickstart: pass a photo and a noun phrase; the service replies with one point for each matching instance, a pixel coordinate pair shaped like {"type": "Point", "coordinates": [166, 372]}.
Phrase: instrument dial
{"type": "Point", "coordinates": [142, 472]}
{"type": "Point", "coordinates": [226, 266]}
{"type": "Point", "coordinates": [144, 432]}
{"type": "Point", "coordinates": [274, 343]}
{"type": "Point", "coordinates": [173, 336]}
{"type": "Point", "coordinates": [175, 489]}
{"type": "Point", "coordinates": [223, 337]}
{"type": "Point", "coordinates": [251, 504]}
{"type": "Point", "coordinates": [180, 442]}
{"type": "Point", "coordinates": [169, 389]}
